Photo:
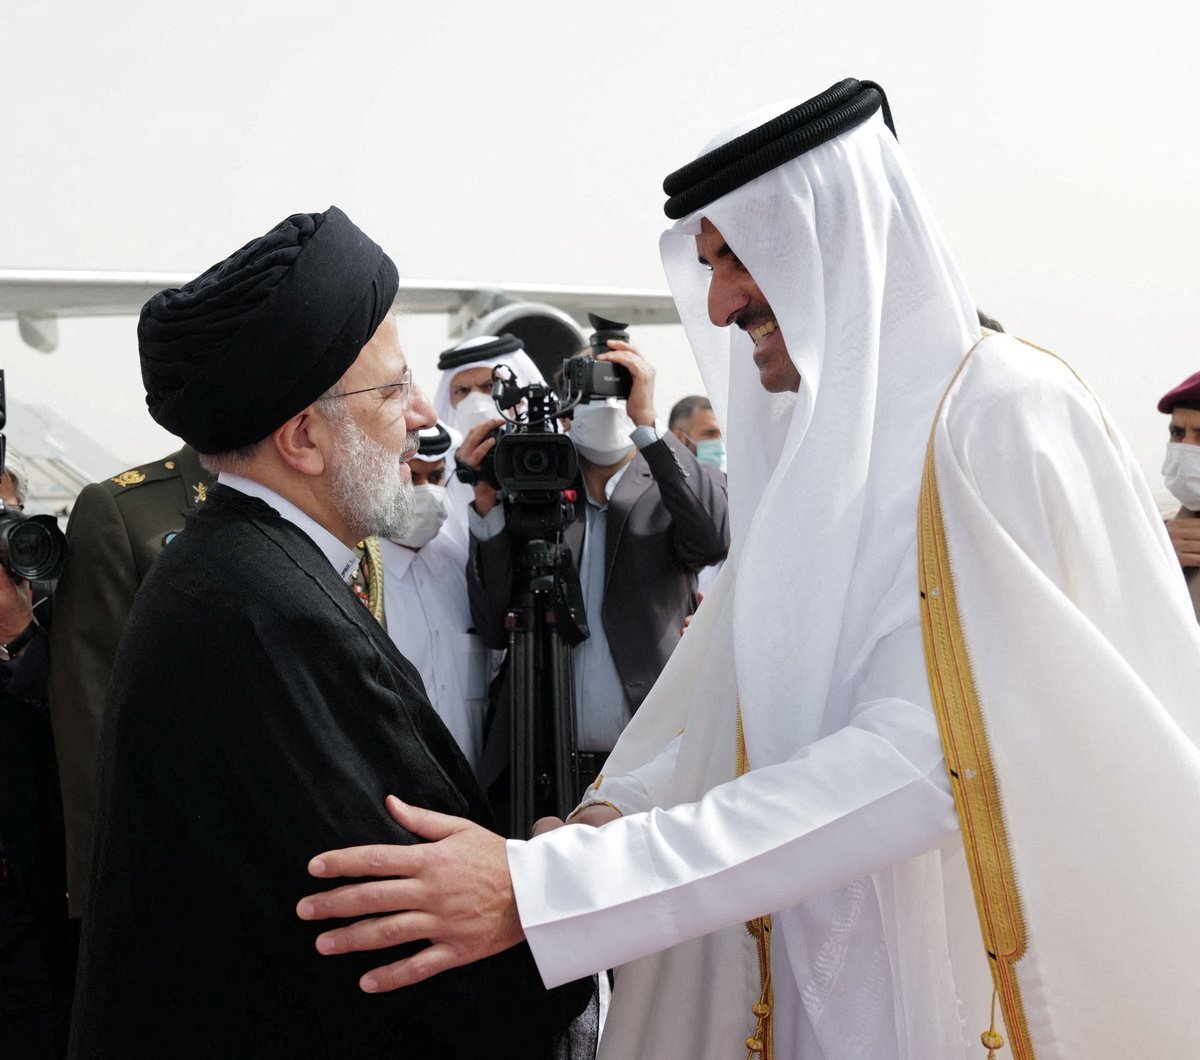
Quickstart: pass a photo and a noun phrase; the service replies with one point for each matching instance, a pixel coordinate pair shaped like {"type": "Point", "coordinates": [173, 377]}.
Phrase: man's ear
{"type": "Point", "coordinates": [304, 442]}
{"type": "Point", "coordinates": [680, 434]}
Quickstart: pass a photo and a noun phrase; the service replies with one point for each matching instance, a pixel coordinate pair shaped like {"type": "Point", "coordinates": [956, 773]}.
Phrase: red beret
{"type": "Point", "coordinates": [1186, 394]}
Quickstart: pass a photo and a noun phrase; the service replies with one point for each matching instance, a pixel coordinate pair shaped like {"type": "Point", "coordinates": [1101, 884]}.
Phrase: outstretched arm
{"type": "Point", "coordinates": [869, 795]}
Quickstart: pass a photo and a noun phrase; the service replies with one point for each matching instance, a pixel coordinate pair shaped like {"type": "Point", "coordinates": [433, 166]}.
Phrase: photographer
{"type": "Point", "coordinates": [463, 399]}
{"type": "Point", "coordinates": [36, 958]}
{"type": "Point", "coordinates": [646, 518]}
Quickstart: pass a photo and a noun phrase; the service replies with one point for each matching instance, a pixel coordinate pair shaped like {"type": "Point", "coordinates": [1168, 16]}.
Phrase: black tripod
{"type": "Point", "coordinates": [545, 621]}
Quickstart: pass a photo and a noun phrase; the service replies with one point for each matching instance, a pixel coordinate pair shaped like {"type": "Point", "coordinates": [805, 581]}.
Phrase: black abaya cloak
{"type": "Point", "coordinates": [220, 779]}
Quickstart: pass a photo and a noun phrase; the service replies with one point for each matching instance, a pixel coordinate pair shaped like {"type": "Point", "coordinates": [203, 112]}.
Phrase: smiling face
{"type": "Point", "coordinates": [734, 298]}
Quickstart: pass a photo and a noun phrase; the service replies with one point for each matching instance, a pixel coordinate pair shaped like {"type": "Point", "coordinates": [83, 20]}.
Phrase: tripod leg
{"type": "Point", "coordinates": [522, 690]}
{"type": "Point", "coordinates": [562, 696]}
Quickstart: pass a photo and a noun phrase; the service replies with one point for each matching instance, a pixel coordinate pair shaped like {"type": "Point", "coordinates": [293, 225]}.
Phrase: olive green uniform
{"type": "Point", "coordinates": [116, 531]}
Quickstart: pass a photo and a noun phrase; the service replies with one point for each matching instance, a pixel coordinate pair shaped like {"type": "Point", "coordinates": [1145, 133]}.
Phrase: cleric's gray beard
{"type": "Point", "coordinates": [367, 488]}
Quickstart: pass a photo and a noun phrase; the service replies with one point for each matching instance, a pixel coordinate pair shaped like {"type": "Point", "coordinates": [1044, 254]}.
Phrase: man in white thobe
{"type": "Point", "coordinates": [425, 601]}
{"type": "Point", "coordinates": [807, 752]}
{"type": "Point", "coordinates": [463, 401]}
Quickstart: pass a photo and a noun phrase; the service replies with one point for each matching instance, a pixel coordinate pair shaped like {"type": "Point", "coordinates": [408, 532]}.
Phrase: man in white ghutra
{"type": "Point", "coordinates": [937, 715]}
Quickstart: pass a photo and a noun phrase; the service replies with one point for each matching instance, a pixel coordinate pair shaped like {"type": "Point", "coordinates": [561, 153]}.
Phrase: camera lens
{"type": "Point", "coordinates": [32, 547]}
{"type": "Point", "coordinates": [29, 546]}
{"type": "Point", "coordinates": [536, 461]}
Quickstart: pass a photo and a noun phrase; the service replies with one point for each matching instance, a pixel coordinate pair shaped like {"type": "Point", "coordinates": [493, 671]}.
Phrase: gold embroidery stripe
{"type": "Point", "coordinates": [968, 759]}
{"type": "Point", "coordinates": [761, 1042]}
{"type": "Point", "coordinates": [375, 587]}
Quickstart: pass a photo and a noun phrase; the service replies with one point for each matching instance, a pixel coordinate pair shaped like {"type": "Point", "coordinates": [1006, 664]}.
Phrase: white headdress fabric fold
{"type": "Point", "coordinates": [823, 483]}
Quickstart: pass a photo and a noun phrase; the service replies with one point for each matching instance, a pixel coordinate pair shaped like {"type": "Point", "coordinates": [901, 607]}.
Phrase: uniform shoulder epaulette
{"type": "Point", "coordinates": [155, 471]}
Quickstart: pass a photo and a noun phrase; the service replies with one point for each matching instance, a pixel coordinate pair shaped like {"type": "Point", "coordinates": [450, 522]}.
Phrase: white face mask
{"type": "Point", "coordinates": [431, 508]}
{"type": "Point", "coordinates": [601, 432]}
{"type": "Point", "coordinates": [1181, 473]}
{"type": "Point", "coordinates": [472, 410]}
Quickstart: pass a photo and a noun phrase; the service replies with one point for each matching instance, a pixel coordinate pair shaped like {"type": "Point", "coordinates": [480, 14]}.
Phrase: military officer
{"type": "Point", "coordinates": [116, 531]}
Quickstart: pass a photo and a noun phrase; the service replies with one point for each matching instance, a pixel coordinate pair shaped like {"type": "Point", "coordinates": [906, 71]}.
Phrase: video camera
{"type": "Point", "coordinates": [531, 454]}
{"type": "Point", "coordinates": [535, 465]}
{"type": "Point", "coordinates": [31, 546]}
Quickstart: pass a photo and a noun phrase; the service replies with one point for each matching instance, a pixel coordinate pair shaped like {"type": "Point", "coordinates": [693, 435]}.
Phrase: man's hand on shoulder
{"type": "Point", "coordinates": [455, 891]}
{"type": "Point", "coordinates": [1185, 536]}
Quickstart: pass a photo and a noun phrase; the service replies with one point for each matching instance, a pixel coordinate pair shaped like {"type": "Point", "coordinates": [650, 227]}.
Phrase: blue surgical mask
{"type": "Point", "coordinates": [711, 451]}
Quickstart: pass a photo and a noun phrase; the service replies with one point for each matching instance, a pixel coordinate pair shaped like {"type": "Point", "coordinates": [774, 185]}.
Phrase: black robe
{"type": "Point", "coordinates": [219, 781]}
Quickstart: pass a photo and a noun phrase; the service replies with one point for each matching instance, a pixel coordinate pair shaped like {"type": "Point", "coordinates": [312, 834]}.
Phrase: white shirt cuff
{"type": "Point", "coordinates": [485, 527]}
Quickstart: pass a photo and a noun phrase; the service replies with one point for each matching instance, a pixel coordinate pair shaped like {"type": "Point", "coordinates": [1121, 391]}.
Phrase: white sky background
{"type": "Point", "coordinates": [527, 142]}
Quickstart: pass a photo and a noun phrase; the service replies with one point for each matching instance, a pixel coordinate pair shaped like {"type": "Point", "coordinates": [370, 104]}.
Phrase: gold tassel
{"type": "Point", "coordinates": [991, 1038]}
{"type": "Point", "coordinates": [762, 1042]}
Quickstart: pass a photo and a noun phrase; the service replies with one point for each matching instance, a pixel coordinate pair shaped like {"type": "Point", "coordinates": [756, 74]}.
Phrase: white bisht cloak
{"type": "Point", "coordinates": [838, 827]}
{"type": "Point", "coordinates": [1066, 667]}
{"type": "Point", "coordinates": [845, 828]}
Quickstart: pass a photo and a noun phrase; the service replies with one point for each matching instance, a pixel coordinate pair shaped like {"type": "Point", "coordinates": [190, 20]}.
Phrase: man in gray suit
{"type": "Point", "coordinates": [647, 518]}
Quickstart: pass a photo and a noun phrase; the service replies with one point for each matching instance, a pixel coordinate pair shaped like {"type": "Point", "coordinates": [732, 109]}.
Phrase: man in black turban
{"type": "Point", "coordinates": [281, 365]}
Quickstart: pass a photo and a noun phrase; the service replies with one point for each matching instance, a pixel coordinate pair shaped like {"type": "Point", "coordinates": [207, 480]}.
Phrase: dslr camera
{"type": "Point", "coordinates": [31, 546]}
{"type": "Point", "coordinates": [587, 379]}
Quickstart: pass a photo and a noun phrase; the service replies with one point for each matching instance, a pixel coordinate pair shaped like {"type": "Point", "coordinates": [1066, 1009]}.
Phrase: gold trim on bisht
{"type": "Point", "coordinates": [370, 547]}
{"type": "Point", "coordinates": [370, 590]}
{"type": "Point", "coordinates": [969, 762]}
{"type": "Point", "coordinates": [761, 1042]}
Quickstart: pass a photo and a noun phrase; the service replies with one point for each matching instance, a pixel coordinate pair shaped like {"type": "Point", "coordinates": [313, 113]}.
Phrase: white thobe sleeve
{"type": "Point", "coordinates": [638, 791]}
{"type": "Point", "coordinates": [867, 796]}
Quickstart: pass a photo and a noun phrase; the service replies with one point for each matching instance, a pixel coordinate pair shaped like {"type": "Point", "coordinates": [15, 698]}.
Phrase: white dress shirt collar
{"type": "Point", "coordinates": [343, 559]}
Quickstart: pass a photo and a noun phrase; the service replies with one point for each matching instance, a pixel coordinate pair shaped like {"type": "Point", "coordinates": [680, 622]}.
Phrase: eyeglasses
{"type": "Point", "coordinates": [403, 388]}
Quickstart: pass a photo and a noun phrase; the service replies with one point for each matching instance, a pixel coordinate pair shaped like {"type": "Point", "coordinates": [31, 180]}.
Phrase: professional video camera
{"type": "Point", "coordinates": [534, 465]}
{"type": "Point", "coordinates": [31, 546]}
{"type": "Point", "coordinates": [530, 453]}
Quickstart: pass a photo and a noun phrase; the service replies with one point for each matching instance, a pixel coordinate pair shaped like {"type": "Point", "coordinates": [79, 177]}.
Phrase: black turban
{"type": "Point", "coordinates": [251, 341]}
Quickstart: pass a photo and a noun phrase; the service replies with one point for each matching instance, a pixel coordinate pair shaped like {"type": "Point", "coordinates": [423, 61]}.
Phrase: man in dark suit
{"type": "Point", "coordinates": [647, 518]}
{"type": "Point", "coordinates": [282, 365]}
{"type": "Point", "coordinates": [116, 531]}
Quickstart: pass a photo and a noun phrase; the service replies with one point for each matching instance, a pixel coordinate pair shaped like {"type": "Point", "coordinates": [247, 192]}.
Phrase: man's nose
{"type": "Point", "coordinates": [726, 298]}
{"type": "Point", "coordinates": [420, 412]}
